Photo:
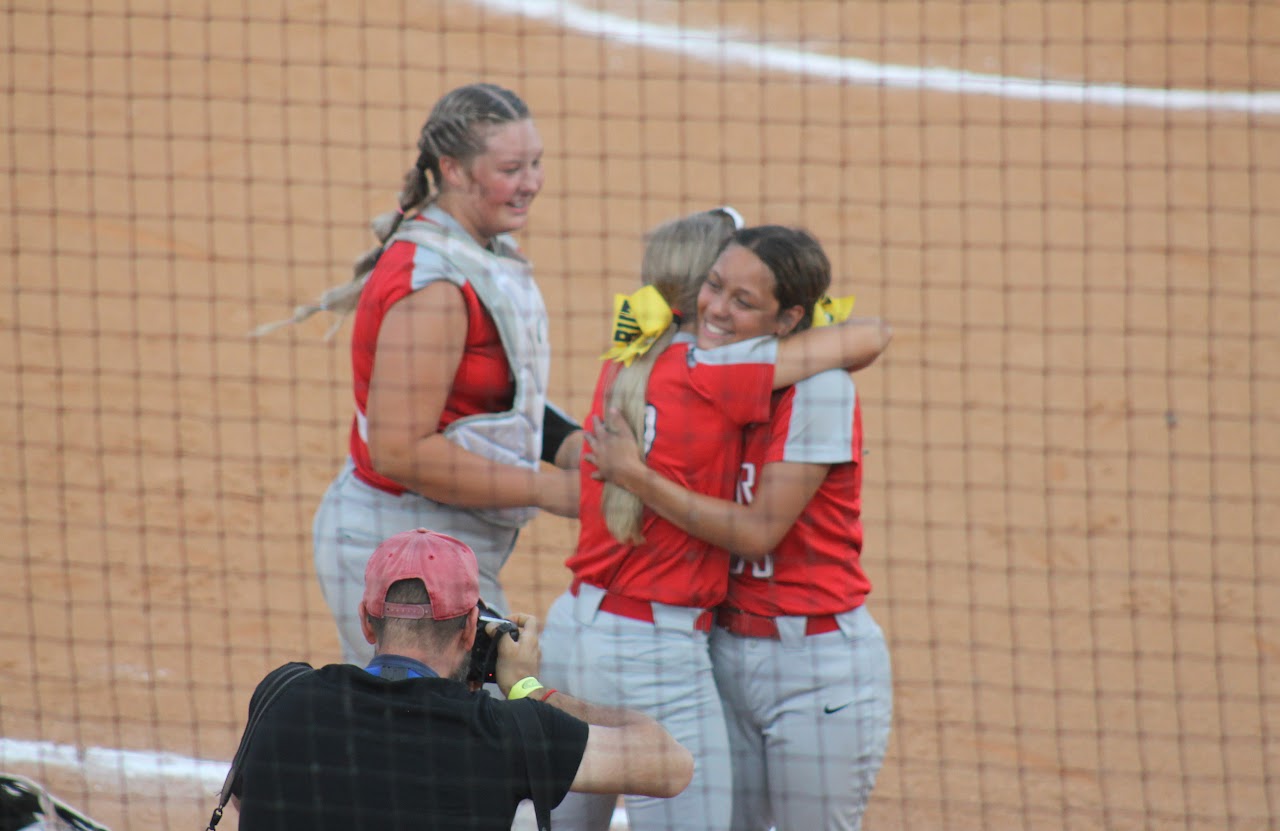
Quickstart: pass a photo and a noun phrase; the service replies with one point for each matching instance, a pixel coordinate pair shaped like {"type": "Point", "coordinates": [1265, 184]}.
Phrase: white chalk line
{"type": "Point", "coordinates": [139, 772]}
{"type": "Point", "coordinates": [133, 770]}
{"type": "Point", "coordinates": [717, 47]}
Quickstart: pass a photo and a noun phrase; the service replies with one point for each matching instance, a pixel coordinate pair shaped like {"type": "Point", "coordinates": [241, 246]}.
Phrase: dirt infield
{"type": "Point", "coordinates": [1073, 446]}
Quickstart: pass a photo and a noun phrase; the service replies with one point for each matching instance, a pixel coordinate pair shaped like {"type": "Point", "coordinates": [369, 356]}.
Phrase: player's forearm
{"type": "Point", "coordinates": [722, 523]}
{"type": "Point", "coordinates": [570, 451]}
{"type": "Point", "coordinates": [442, 471]}
{"type": "Point", "coordinates": [852, 345]}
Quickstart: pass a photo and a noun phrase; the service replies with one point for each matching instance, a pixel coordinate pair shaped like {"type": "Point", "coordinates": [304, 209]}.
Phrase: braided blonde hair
{"type": "Point", "coordinates": [459, 126]}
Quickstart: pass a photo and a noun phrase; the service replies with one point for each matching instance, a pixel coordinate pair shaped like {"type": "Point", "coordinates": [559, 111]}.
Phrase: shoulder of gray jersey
{"type": "Point", "coordinates": [761, 350]}
{"type": "Point", "coordinates": [820, 430]}
{"type": "Point", "coordinates": [430, 264]}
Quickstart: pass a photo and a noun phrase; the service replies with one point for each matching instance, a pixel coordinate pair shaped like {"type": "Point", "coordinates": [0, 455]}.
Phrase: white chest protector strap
{"type": "Point", "coordinates": [504, 283]}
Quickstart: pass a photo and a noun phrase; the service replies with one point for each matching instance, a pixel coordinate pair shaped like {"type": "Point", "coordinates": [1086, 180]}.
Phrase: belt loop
{"type": "Point", "coordinates": [586, 603]}
{"type": "Point", "coordinates": [791, 631]}
{"type": "Point", "coordinates": [850, 622]}
{"type": "Point", "coordinates": [681, 618]}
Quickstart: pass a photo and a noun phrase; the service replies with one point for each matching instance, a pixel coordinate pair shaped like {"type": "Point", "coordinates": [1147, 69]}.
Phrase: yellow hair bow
{"type": "Point", "coordinates": [638, 319]}
{"type": "Point", "coordinates": [830, 310]}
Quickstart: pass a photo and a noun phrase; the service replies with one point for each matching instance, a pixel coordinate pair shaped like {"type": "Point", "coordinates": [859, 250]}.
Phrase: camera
{"type": "Point", "coordinates": [484, 654]}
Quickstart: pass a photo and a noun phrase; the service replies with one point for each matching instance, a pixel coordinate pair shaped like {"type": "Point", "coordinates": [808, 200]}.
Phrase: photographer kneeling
{"type": "Point", "coordinates": [409, 743]}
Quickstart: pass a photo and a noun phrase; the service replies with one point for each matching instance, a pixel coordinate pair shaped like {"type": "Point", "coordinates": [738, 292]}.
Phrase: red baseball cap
{"type": "Point", "coordinates": [447, 567]}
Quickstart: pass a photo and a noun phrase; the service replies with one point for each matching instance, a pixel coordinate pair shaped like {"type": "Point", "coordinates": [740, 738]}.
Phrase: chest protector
{"type": "Point", "coordinates": [503, 281]}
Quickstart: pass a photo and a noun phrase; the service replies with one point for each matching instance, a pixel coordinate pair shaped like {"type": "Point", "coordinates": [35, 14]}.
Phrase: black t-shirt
{"type": "Point", "coordinates": [344, 749]}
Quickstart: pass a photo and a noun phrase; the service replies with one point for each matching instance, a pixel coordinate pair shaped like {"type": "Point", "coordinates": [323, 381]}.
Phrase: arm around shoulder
{"type": "Point", "coordinates": [852, 345]}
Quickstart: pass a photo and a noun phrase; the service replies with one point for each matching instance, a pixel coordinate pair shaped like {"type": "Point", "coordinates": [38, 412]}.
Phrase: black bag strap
{"type": "Point", "coordinates": [530, 727]}
{"type": "Point", "coordinates": [274, 685]}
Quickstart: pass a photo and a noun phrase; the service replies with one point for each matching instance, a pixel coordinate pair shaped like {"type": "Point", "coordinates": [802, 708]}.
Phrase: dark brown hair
{"type": "Point", "coordinates": [800, 268]}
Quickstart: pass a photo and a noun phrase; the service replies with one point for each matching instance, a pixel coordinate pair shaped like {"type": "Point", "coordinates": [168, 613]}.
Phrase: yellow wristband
{"type": "Point", "coordinates": [523, 687]}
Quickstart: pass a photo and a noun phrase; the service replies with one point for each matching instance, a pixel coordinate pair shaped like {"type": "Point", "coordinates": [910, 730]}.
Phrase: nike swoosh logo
{"type": "Point", "coordinates": [829, 709]}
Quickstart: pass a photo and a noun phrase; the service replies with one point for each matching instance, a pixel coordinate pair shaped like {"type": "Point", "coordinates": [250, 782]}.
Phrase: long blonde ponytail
{"type": "Point", "coordinates": [677, 256]}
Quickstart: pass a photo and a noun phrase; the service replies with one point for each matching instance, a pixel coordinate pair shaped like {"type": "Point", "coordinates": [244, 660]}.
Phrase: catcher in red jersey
{"type": "Point", "coordinates": [634, 626]}
{"type": "Point", "coordinates": [452, 430]}
{"type": "Point", "coordinates": [802, 667]}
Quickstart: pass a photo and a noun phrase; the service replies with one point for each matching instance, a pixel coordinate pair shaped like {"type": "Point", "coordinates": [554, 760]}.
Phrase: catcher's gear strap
{"type": "Point", "coordinates": [275, 684]}
{"type": "Point", "coordinates": [530, 727]}
{"type": "Point", "coordinates": [556, 427]}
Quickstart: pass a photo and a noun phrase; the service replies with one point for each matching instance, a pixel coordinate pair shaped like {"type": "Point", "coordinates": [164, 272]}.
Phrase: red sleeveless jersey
{"type": "Point", "coordinates": [698, 402]}
{"type": "Point", "coordinates": [483, 382]}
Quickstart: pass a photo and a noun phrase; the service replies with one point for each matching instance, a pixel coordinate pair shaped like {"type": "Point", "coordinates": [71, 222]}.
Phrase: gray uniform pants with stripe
{"type": "Point", "coordinates": [808, 719]}
{"type": "Point", "coordinates": [353, 518]}
{"type": "Point", "coordinates": [662, 669]}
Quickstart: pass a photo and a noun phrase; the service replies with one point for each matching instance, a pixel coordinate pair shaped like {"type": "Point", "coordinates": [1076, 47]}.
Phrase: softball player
{"type": "Point", "coordinates": [802, 667]}
{"type": "Point", "coordinates": [633, 628]}
{"type": "Point", "coordinates": [801, 664]}
{"type": "Point", "coordinates": [450, 360]}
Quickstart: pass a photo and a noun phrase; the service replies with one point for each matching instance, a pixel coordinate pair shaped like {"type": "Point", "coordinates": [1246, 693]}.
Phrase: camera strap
{"type": "Point", "coordinates": [276, 683]}
{"type": "Point", "coordinates": [530, 728]}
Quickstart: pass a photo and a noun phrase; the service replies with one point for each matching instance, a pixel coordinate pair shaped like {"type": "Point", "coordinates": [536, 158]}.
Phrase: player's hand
{"type": "Point", "coordinates": [517, 659]}
{"type": "Point", "coordinates": [614, 450]}
{"type": "Point", "coordinates": [558, 491]}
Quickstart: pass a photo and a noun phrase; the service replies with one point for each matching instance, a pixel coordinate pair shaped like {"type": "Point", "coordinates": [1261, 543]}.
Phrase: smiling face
{"type": "Point", "coordinates": [491, 195]}
{"type": "Point", "coordinates": [737, 301]}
